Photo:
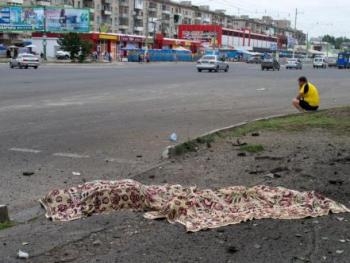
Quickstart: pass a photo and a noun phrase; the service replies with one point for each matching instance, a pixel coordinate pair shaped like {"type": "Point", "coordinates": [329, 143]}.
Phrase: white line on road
{"type": "Point", "coordinates": [71, 155]}
{"type": "Point", "coordinates": [24, 150]}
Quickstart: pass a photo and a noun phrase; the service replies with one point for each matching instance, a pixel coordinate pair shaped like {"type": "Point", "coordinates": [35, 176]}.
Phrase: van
{"type": "Point", "coordinates": [319, 62]}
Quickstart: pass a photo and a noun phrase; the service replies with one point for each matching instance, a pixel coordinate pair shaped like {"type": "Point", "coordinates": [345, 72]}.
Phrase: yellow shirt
{"type": "Point", "coordinates": [309, 93]}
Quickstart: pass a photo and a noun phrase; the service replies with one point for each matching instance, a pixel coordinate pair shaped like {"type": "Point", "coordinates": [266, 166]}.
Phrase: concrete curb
{"type": "Point", "coordinates": [167, 150]}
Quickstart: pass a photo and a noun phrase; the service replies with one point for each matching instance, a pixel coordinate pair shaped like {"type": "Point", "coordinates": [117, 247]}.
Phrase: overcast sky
{"type": "Point", "coordinates": [316, 17]}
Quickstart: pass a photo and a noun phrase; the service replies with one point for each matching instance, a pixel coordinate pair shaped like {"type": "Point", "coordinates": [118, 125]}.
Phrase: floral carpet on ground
{"type": "Point", "coordinates": [195, 208]}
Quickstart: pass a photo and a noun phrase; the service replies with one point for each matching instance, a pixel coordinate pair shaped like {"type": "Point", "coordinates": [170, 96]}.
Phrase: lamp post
{"type": "Point", "coordinates": [44, 46]}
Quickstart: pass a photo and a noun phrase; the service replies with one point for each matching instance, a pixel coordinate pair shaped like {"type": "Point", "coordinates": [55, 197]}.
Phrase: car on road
{"type": "Point", "coordinates": [332, 62]}
{"type": "Point", "coordinates": [61, 54]}
{"type": "Point", "coordinates": [25, 60]}
{"type": "Point", "coordinates": [211, 63]}
{"type": "Point", "coordinates": [294, 63]}
{"type": "Point", "coordinates": [270, 63]}
{"type": "Point", "coordinates": [254, 60]}
{"type": "Point", "coordinates": [320, 62]}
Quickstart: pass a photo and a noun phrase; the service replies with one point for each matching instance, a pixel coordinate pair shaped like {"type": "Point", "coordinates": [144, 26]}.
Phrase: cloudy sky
{"type": "Point", "coordinates": [316, 17]}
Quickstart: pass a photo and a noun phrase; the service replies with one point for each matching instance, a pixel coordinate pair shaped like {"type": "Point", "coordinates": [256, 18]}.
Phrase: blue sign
{"type": "Point", "coordinates": [51, 19]}
{"type": "Point", "coordinates": [67, 20]}
{"type": "Point", "coordinates": [16, 18]}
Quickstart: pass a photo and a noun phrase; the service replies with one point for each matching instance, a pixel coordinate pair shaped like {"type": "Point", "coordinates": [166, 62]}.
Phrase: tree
{"type": "Point", "coordinates": [85, 49]}
{"type": "Point", "coordinates": [329, 39]}
{"type": "Point", "coordinates": [78, 47]}
{"type": "Point", "coordinates": [337, 42]}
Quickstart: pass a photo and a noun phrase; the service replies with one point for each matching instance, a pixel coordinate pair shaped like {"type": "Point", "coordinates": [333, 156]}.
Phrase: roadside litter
{"type": "Point", "coordinates": [23, 255]}
{"type": "Point", "coordinates": [195, 208]}
{"type": "Point", "coordinates": [173, 137]}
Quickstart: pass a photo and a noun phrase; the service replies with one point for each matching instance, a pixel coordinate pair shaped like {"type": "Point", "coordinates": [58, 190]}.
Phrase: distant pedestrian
{"type": "Point", "coordinates": [175, 57]}
{"type": "Point", "coordinates": [94, 56]}
{"type": "Point", "coordinates": [140, 58]}
{"type": "Point", "coordinates": [308, 98]}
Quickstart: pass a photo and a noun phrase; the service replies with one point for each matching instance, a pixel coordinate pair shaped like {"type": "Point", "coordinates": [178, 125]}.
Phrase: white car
{"type": "Point", "coordinates": [294, 63]}
{"type": "Point", "coordinates": [319, 62]}
{"type": "Point", "coordinates": [25, 60]}
{"type": "Point", "coordinates": [211, 63]}
{"type": "Point", "coordinates": [61, 54]}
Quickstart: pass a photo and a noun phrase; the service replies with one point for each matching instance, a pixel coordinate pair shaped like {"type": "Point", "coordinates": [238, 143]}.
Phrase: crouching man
{"type": "Point", "coordinates": [307, 98]}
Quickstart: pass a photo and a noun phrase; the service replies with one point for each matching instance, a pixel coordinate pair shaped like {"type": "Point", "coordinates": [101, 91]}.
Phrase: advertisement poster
{"type": "Point", "coordinates": [208, 35]}
{"type": "Point", "coordinates": [16, 18]}
{"type": "Point", "coordinates": [67, 20]}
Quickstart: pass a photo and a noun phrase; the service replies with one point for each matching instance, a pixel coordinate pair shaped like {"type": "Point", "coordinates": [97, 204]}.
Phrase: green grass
{"type": "Point", "coordinates": [6, 225]}
{"type": "Point", "coordinates": [334, 120]}
{"type": "Point", "coordinates": [193, 145]}
{"type": "Point", "coordinates": [296, 123]}
{"type": "Point", "coordinates": [252, 148]}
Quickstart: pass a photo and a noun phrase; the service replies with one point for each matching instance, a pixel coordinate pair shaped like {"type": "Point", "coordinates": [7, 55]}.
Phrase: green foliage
{"type": "Point", "coordinates": [337, 42]}
{"type": "Point", "coordinates": [189, 146]}
{"type": "Point", "coordinates": [86, 47]}
{"type": "Point", "coordinates": [6, 225]}
{"type": "Point", "coordinates": [78, 47]}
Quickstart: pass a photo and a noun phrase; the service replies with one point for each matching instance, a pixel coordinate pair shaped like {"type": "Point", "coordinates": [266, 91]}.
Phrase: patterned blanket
{"type": "Point", "coordinates": [196, 209]}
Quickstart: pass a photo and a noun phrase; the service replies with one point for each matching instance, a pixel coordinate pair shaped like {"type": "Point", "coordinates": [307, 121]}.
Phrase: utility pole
{"type": "Point", "coordinates": [295, 28]}
{"type": "Point", "coordinates": [147, 24]}
{"type": "Point", "coordinates": [44, 36]}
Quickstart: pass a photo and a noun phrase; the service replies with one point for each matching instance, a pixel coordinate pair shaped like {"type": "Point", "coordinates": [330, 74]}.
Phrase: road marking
{"type": "Point", "coordinates": [71, 155]}
{"type": "Point", "coordinates": [24, 150]}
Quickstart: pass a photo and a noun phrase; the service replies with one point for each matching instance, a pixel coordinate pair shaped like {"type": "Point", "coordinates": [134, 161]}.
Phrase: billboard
{"type": "Point", "coordinates": [208, 35]}
{"type": "Point", "coordinates": [67, 20]}
{"type": "Point", "coordinates": [16, 18]}
{"type": "Point", "coordinates": [51, 19]}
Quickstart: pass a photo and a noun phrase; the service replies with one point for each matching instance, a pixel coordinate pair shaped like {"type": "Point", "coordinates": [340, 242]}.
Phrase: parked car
{"type": "Point", "coordinates": [270, 63]}
{"type": "Point", "coordinates": [61, 54]}
{"type": "Point", "coordinates": [254, 60]}
{"type": "Point", "coordinates": [332, 61]}
{"type": "Point", "coordinates": [25, 60]}
{"type": "Point", "coordinates": [211, 63]}
{"type": "Point", "coordinates": [294, 63]}
{"type": "Point", "coordinates": [319, 62]}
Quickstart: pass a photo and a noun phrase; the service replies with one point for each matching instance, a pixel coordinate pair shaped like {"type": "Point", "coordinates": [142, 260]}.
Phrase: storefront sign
{"type": "Point", "coordinates": [108, 37]}
{"type": "Point", "coordinates": [131, 39]}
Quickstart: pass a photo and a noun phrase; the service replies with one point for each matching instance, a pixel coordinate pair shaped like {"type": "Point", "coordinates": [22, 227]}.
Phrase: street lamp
{"type": "Point", "coordinates": [44, 36]}
{"type": "Point", "coordinates": [44, 45]}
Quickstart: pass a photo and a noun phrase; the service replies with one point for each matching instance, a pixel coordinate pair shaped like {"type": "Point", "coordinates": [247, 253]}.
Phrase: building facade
{"type": "Point", "coordinates": [148, 17]}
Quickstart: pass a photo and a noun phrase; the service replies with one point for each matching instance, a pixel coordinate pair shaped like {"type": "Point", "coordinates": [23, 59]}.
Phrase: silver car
{"type": "Point", "coordinates": [294, 63]}
{"type": "Point", "coordinates": [25, 60]}
{"type": "Point", "coordinates": [211, 63]}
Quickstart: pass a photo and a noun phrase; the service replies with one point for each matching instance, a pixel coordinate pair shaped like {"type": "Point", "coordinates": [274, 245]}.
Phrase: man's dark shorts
{"type": "Point", "coordinates": [306, 106]}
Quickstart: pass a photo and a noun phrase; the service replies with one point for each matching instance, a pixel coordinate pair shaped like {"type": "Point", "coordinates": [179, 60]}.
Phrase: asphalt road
{"type": "Point", "coordinates": [69, 124]}
{"type": "Point", "coordinates": [73, 123]}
